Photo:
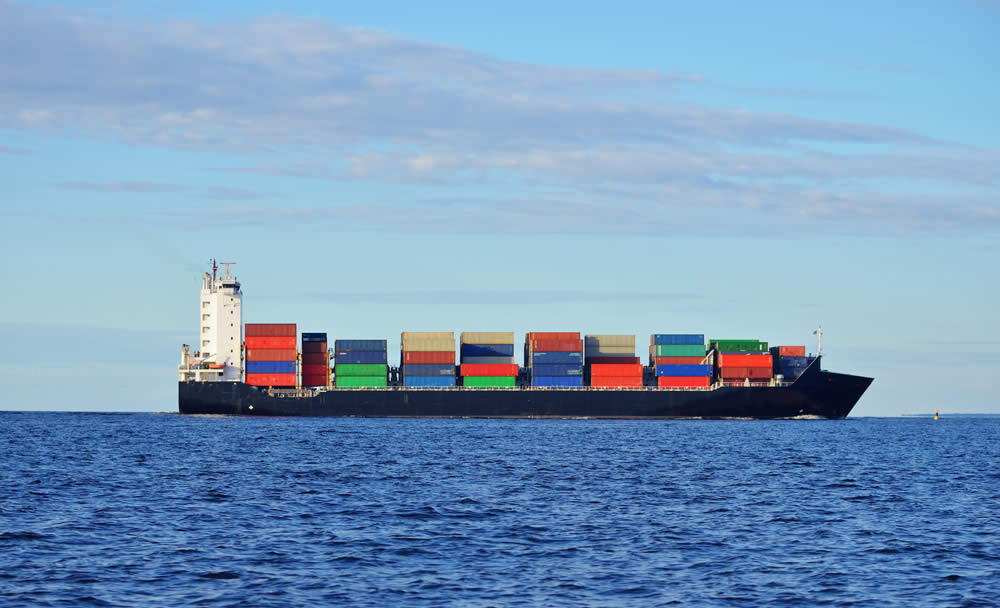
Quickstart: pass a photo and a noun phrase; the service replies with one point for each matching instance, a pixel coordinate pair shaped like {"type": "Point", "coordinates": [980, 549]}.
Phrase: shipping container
{"type": "Point", "coordinates": [558, 369]}
{"type": "Point", "coordinates": [269, 330]}
{"type": "Point", "coordinates": [314, 347]}
{"type": "Point", "coordinates": [282, 380]}
{"type": "Point", "coordinates": [487, 337]}
{"type": "Point", "coordinates": [361, 369]}
{"type": "Point", "coordinates": [269, 342]}
{"type": "Point", "coordinates": [682, 382]}
{"type": "Point", "coordinates": [429, 381]}
{"type": "Point", "coordinates": [481, 369]}
{"type": "Point", "coordinates": [429, 369]}
{"type": "Point", "coordinates": [600, 341]}
{"type": "Point", "coordinates": [620, 370]}
{"type": "Point", "coordinates": [556, 345]}
{"type": "Point", "coordinates": [489, 381]}
{"type": "Point", "coordinates": [677, 339]}
{"type": "Point", "coordinates": [313, 337]}
{"type": "Point", "coordinates": [677, 350]}
{"type": "Point", "coordinates": [556, 357]}
{"type": "Point", "coordinates": [679, 360]}
{"type": "Point", "coordinates": [361, 356]}
{"type": "Point", "coordinates": [315, 358]}
{"type": "Point", "coordinates": [409, 336]}
{"type": "Point", "coordinates": [361, 381]}
{"type": "Point", "coordinates": [788, 351]}
{"type": "Point", "coordinates": [616, 381]}
{"type": "Point", "coordinates": [314, 381]}
{"type": "Point", "coordinates": [552, 335]}
{"type": "Point", "coordinates": [314, 369]}
{"type": "Point", "coordinates": [270, 367]}
{"type": "Point", "coordinates": [429, 344]}
{"type": "Point", "coordinates": [488, 360]}
{"type": "Point", "coordinates": [744, 346]}
{"type": "Point", "coordinates": [746, 372]}
{"type": "Point", "coordinates": [613, 360]}
{"type": "Point", "coordinates": [743, 360]}
{"type": "Point", "coordinates": [558, 381]}
{"type": "Point", "coordinates": [683, 370]}
{"type": "Point", "coordinates": [487, 350]}
{"type": "Point", "coordinates": [363, 345]}
{"type": "Point", "coordinates": [599, 351]}
{"type": "Point", "coordinates": [271, 354]}
{"type": "Point", "coordinates": [428, 356]}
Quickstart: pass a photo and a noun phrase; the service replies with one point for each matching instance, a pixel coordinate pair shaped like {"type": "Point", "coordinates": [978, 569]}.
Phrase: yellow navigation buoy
{"type": "Point", "coordinates": [935, 414]}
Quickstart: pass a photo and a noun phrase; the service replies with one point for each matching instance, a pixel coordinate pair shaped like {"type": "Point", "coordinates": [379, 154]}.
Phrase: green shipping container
{"type": "Point", "coordinates": [490, 381]}
{"type": "Point", "coordinates": [361, 381]}
{"type": "Point", "coordinates": [677, 350]}
{"type": "Point", "coordinates": [361, 369]}
{"type": "Point", "coordinates": [740, 346]}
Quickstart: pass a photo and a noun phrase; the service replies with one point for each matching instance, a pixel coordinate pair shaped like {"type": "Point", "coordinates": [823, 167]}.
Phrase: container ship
{"type": "Point", "coordinates": [270, 369]}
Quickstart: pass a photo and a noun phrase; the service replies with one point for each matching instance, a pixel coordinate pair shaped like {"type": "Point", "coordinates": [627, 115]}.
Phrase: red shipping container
{"type": "Point", "coordinates": [269, 342]}
{"type": "Point", "coordinates": [616, 381]}
{"type": "Point", "coordinates": [741, 360]}
{"type": "Point", "coordinates": [552, 335]}
{"type": "Point", "coordinates": [792, 351]}
{"type": "Point", "coordinates": [614, 360]}
{"type": "Point", "coordinates": [439, 357]}
{"type": "Point", "coordinates": [683, 381]}
{"type": "Point", "coordinates": [314, 358]}
{"type": "Point", "coordinates": [609, 370]}
{"type": "Point", "coordinates": [734, 372]}
{"type": "Point", "coordinates": [271, 379]}
{"type": "Point", "coordinates": [314, 381]}
{"type": "Point", "coordinates": [557, 345]}
{"type": "Point", "coordinates": [269, 330]}
{"type": "Point", "coordinates": [314, 347]}
{"type": "Point", "coordinates": [271, 354]}
{"type": "Point", "coordinates": [679, 360]}
{"type": "Point", "coordinates": [759, 373]}
{"type": "Point", "coordinates": [489, 369]}
{"type": "Point", "coordinates": [314, 369]}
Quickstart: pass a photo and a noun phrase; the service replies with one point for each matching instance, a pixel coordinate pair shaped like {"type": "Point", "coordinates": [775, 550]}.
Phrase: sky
{"type": "Point", "coordinates": [742, 170]}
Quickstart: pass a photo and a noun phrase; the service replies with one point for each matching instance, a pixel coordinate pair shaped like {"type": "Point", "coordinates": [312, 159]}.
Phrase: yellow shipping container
{"type": "Point", "coordinates": [487, 337]}
{"type": "Point", "coordinates": [429, 344]}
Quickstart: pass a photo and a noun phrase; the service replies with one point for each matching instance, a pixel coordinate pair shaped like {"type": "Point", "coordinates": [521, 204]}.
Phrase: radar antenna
{"type": "Point", "coordinates": [227, 265]}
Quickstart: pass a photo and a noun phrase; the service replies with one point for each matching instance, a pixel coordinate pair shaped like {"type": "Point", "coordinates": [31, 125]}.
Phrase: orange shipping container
{"type": "Point", "coordinates": [269, 342]}
{"type": "Point", "coordinates": [679, 360]}
{"type": "Point", "coordinates": [271, 379]}
{"type": "Point", "coordinates": [439, 357]}
{"type": "Point", "coordinates": [741, 360]}
{"type": "Point", "coordinates": [616, 381]}
{"type": "Point", "coordinates": [489, 369]}
{"type": "Point", "coordinates": [269, 330]}
{"type": "Point", "coordinates": [271, 354]}
{"type": "Point", "coordinates": [792, 351]}
{"type": "Point", "coordinates": [683, 382]}
{"type": "Point", "coordinates": [561, 345]}
{"type": "Point", "coordinates": [553, 335]}
{"type": "Point", "coordinates": [607, 369]}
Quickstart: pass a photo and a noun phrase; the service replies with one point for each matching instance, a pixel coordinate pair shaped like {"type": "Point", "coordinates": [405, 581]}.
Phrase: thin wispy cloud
{"type": "Point", "coordinates": [13, 150]}
{"type": "Point", "coordinates": [212, 192]}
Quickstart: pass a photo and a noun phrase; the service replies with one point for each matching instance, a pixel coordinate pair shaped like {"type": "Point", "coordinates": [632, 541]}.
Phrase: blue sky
{"type": "Point", "coordinates": [738, 170]}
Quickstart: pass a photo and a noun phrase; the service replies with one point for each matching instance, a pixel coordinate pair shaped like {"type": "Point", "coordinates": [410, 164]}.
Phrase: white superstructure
{"type": "Point", "coordinates": [220, 311]}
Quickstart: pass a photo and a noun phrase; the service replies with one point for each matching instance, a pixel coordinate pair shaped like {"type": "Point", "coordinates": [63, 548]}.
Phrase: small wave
{"type": "Point", "coordinates": [224, 575]}
{"type": "Point", "coordinates": [22, 536]}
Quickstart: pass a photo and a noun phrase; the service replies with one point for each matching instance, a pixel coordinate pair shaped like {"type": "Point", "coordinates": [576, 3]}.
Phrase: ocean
{"type": "Point", "coordinates": [167, 510]}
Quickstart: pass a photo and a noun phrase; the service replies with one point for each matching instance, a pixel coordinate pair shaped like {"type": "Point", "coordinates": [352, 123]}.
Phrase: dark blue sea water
{"type": "Point", "coordinates": [164, 510]}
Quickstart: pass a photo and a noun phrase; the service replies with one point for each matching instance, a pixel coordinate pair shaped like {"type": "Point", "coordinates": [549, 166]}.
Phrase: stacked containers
{"type": "Point", "coordinates": [487, 359]}
{"type": "Point", "coordinates": [270, 354]}
{"type": "Point", "coordinates": [789, 361]}
{"type": "Point", "coordinates": [428, 358]}
{"type": "Point", "coordinates": [680, 360]}
{"type": "Point", "coordinates": [555, 358]}
{"type": "Point", "coordinates": [315, 360]}
{"type": "Point", "coordinates": [742, 361]}
{"type": "Point", "coordinates": [611, 362]}
{"type": "Point", "coordinates": [361, 363]}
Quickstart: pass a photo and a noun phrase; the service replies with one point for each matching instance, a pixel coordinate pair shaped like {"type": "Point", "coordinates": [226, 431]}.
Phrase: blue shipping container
{"type": "Point", "coordinates": [270, 367]}
{"type": "Point", "coordinates": [314, 337]}
{"type": "Point", "coordinates": [487, 350]}
{"type": "Point", "coordinates": [684, 370]}
{"type": "Point", "coordinates": [441, 381]}
{"type": "Point", "coordinates": [361, 356]}
{"type": "Point", "coordinates": [556, 357]}
{"type": "Point", "coordinates": [678, 339]}
{"type": "Point", "coordinates": [557, 369]}
{"type": "Point", "coordinates": [793, 361]}
{"type": "Point", "coordinates": [429, 369]}
{"type": "Point", "coordinates": [566, 381]}
{"type": "Point", "coordinates": [351, 345]}
{"type": "Point", "coordinates": [488, 360]}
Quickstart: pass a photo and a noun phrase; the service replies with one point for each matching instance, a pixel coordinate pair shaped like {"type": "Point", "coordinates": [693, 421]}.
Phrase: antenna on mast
{"type": "Point", "coordinates": [215, 267]}
{"type": "Point", "coordinates": [819, 340]}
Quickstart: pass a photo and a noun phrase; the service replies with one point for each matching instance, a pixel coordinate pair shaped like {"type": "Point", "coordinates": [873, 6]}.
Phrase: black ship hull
{"type": "Point", "coordinates": [814, 393]}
